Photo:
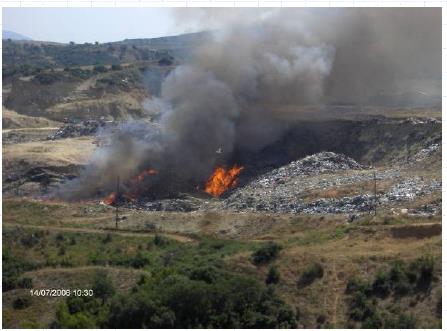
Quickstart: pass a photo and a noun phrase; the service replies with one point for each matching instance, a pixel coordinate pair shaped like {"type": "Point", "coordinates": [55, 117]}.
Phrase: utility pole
{"type": "Point", "coordinates": [408, 151]}
{"type": "Point", "coordinates": [375, 194]}
{"type": "Point", "coordinates": [117, 200]}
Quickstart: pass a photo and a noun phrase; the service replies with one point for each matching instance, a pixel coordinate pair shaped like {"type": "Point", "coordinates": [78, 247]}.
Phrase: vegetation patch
{"type": "Point", "coordinates": [267, 253]}
{"type": "Point", "coordinates": [312, 273]}
{"type": "Point", "coordinates": [401, 279]}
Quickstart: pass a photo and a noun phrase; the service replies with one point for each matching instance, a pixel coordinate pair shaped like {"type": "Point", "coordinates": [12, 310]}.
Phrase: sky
{"type": "Point", "coordinates": [91, 24]}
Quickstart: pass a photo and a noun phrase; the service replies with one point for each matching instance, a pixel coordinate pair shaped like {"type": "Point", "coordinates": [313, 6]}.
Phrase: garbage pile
{"type": "Point", "coordinates": [410, 189]}
{"type": "Point", "coordinates": [285, 190]}
{"type": "Point", "coordinates": [171, 205]}
{"type": "Point", "coordinates": [426, 152]}
{"type": "Point", "coordinates": [83, 128]}
{"type": "Point", "coordinates": [281, 190]}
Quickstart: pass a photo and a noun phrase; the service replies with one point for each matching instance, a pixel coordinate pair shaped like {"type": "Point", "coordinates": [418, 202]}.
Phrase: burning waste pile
{"type": "Point", "coordinates": [219, 105]}
{"type": "Point", "coordinates": [280, 189]}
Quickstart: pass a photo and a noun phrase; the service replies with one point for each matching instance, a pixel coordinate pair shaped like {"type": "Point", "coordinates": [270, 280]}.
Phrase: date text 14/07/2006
{"type": "Point", "coordinates": [61, 292]}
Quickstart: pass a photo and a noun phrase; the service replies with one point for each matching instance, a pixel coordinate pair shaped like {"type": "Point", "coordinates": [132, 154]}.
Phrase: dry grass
{"type": "Point", "coordinates": [343, 249]}
{"type": "Point", "coordinates": [14, 120]}
{"type": "Point", "coordinates": [71, 151]}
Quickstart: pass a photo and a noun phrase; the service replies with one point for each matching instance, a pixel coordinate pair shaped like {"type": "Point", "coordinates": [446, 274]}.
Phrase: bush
{"type": "Point", "coordinates": [25, 282]}
{"type": "Point", "coordinates": [361, 307]}
{"type": "Point", "coordinates": [179, 302]}
{"type": "Point", "coordinates": [309, 275]}
{"type": "Point", "coordinates": [61, 251]}
{"type": "Point", "coordinates": [426, 267]}
{"type": "Point", "coordinates": [140, 260]}
{"type": "Point", "coordinates": [79, 320]}
{"type": "Point", "coordinates": [381, 286]}
{"type": "Point", "coordinates": [272, 276]}
{"type": "Point", "coordinates": [48, 78]}
{"type": "Point", "coordinates": [208, 274]}
{"type": "Point", "coordinates": [402, 321]}
{"type": "Point", "coordinates": [102, 286]}
{"type": "Point", "coordinates": [60, 237]}
{"type": "Point", "coordinates": [116, 67]}
{"type": "Point", "coordinates": [266, 253]}
{"type": "Point", "coordinates": [29, 240]}
{"type": "Point", "coordinates": [107, 238]}
{"type": "Point", "coordinates": [100, 68]}
{"type": "Point", "coordinates": [166, 61]}
{"type": "Point", "coordinates": [357, 285]}
{"type": "Point", "coordinates": [21, 302]}
{"type": "Point", "coordinates": [160, 241]}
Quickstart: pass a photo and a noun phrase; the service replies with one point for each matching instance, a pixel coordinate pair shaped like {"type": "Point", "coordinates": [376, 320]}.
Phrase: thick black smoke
{"type": "Point", "coordinates": [224, 98]}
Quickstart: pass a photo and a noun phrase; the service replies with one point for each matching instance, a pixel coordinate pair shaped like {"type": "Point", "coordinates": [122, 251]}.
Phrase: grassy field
{"type": "Point", "coordinates": [59, 245]}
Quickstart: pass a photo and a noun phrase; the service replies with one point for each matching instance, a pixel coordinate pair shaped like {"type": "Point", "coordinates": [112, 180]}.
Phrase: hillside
{"type": "Point", "coordinates": [71, 81]}
{"type": "Point", "coordinates": [334, 223]}
{"type": "Point", "coordinates": [48, 54]}
{"type": "Point", "coordinates": [14, 35]}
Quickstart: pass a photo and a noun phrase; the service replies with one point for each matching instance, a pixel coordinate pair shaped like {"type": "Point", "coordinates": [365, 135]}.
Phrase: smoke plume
{"type": "Point", "coordinates": [224, 98]}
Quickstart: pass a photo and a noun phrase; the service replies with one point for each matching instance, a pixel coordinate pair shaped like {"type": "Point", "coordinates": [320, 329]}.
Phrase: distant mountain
{"type": "Point", "coordinates": [49, 54]}
{"type": "Point", "coordinates": [14, 36]}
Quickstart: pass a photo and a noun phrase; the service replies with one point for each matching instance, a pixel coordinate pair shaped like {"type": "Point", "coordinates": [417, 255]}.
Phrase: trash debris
{"type": "Point", "coordinates": [83, 128]}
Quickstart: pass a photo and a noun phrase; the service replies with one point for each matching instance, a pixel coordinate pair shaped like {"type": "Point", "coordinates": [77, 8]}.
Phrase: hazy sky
{"type": "Point", "coordinates": [90, 24]}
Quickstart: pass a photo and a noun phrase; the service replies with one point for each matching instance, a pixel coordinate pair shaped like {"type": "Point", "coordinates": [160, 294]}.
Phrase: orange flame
{"type": "Point", "coordinates": [221, 180]}
{"type": "Point", "coordinates": [143, 174]}
{"type": "Point", "coordinates": [110, 198]}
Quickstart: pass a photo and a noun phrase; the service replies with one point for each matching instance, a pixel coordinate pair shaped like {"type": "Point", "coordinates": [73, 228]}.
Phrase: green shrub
{"type": "Point", "coordinates": [61, 251]}
{"type": "Point", "coordinates": [29, 240]}
{"type": "Point", "coordinates": [381, 286]}
{"type": "Point", "coordinates": [25, 282]}
{"type": "Point", "coordinates": [356, 284]}
{"type": "Point", "coordinates": [13, 266]}
{"type": "Point", "coordinates": [48, 78]}
{"type": "Point", "coordinates": [272, 276]}
{"type": "Point", "coordinates": [309, 275]}
{"type": "Point", "coordinates": [426, 267]}
{"type": "Point", "coordinates": [107, 238]}
{"type": "Point", "coordinates": [166, 61]}
{"type": "Point", "coordinates": [139, 260]}
{"type": "Point", "coordinates": [60, 237]}
{"type": "Point", "coordinates": [21, 302]}
{"type": "Point", "coordinates": [102, 286]}
{"type": "Point", "coordinates": [266, 253]}
{"type": "Point", "coordinates": [179, 302]}
{"type": "Point", "coordinates": [142, 280]}
{"type": "Point", "coordinates": [360, 307]}
{"type": "Point", "coordinates": [208, 274]}
{"type": "Point", "coordinates": [100, 68]}
{"type": "Point", "coordinates": [160, 241]}
{"type": "Point", "coordinates": [116, 67]}
{"type": "Point", "coordinates": [401, 321]}
{"type": "Point", "coordinates": [374, 321]}
{"type": "Point", "coordinates": [79, 320]}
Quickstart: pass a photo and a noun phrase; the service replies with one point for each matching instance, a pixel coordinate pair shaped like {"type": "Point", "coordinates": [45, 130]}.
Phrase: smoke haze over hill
{"type": "Point", "coordinates": [223, 97]}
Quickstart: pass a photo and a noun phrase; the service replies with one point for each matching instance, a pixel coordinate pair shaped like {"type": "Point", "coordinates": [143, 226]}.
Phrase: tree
{"type": "Point", "coordinates": [103, 287]}
{"type": "Point", "coordinates": [272, 276]}
{"type": "Point", "coordinates": [266, 253]}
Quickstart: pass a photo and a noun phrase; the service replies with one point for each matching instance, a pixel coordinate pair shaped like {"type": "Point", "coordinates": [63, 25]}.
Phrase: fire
{"type": "Point", "coordinates": [222, 179]}
{"type": "Point", "coordinates": [143, 174]}
{"type": "Point", "coordinates": [132, 193]}
{"type": "Point", "coordinates": [110, 198]}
